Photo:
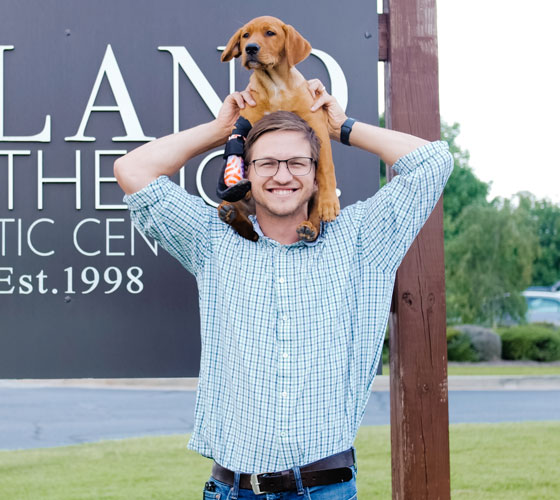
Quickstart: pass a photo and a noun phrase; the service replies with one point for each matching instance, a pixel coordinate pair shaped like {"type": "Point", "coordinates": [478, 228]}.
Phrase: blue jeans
{"type": "Point", "coordinates": [338, 491]}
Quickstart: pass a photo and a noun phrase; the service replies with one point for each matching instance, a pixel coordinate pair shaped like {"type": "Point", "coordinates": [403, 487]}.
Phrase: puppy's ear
{"type": "Point", "coordinates": [232, 48]}
{"type": "Point", "coordinates": [297, 48]}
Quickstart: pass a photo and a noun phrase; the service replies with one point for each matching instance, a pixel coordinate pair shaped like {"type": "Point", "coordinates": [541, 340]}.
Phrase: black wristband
{"type": "Point", "coordinates": [345, 131]}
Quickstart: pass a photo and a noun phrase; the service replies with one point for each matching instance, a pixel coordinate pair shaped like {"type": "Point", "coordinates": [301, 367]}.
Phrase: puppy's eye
{"type": "Point", "coordinates": [245, 35]}
{"type": "Point", "coordinates": [270, 33]}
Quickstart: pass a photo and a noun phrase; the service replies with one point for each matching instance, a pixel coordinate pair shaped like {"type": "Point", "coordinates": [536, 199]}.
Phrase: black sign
{"type": "Point", "coordinates": [82, 293]}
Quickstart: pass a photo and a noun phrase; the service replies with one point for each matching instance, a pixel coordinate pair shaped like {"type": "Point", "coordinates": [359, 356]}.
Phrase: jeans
{"type": "Point", "coordinates": [338, 491]}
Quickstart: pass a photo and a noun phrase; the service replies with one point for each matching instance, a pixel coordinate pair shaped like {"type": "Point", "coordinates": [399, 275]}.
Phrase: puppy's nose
{"type": "Point", "coordinates": [252, 49]}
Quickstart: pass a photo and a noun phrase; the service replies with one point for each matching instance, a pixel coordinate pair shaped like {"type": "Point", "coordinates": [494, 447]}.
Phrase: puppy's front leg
{"type": "Point", "coordinates": [236, 215]}
{"type": "Point", "coordinates": [328, 206]}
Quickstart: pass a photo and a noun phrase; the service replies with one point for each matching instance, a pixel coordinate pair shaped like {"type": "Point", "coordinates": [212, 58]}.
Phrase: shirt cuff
{"type": "Point", "coordinates": [150, 195]}
{"type": "Point", "coordinates": [410, 162]}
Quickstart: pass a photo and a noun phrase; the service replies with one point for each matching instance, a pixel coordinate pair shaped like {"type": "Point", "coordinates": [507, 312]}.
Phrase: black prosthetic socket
{"type": "Point", "coordinates": [234, 146]}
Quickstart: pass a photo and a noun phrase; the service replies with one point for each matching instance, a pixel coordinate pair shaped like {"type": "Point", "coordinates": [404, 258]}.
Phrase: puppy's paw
{"type": "Point", "coordinates": [328, 207]}
{"type": "Point", "coordinates": [307, 232]}
{"type": "Point", "coordinates": [227, 212]}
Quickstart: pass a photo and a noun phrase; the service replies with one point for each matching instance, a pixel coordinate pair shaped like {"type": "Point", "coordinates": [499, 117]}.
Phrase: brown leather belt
{"type": "Point", "coordinates": [329, 470]}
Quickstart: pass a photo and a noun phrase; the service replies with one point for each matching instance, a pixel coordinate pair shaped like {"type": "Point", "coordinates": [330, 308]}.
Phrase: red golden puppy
{"type": "Point", "coordinates": [271, 49]}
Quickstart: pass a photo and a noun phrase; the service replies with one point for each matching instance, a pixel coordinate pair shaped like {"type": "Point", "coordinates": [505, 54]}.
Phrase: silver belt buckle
{"type": "Point", "coordinates": [255, 485]}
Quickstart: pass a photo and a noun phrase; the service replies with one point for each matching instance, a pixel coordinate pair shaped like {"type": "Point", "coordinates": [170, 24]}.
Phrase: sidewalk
{"type": "Point", "coordinates": [381, 383]}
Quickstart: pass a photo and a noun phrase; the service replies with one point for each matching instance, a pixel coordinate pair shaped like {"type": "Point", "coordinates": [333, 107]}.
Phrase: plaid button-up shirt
{"type": "Point", "coordinates": [291, 334]}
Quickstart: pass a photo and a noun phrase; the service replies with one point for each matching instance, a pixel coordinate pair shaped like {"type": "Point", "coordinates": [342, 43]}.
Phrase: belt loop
{"type": "Point", "coordinates": [354, 458]}
{"type": "Point", "coordinates": [299, 484]}
{"type": "Point", "coordinates": [235, 487]}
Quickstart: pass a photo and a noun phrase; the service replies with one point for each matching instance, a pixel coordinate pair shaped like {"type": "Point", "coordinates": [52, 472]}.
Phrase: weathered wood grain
{"type": "Point", "coordinates": [419, 408]}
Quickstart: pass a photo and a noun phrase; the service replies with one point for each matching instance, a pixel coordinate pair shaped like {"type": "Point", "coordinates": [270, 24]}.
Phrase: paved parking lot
{"type": "Point", "coordinates": [41, 416]}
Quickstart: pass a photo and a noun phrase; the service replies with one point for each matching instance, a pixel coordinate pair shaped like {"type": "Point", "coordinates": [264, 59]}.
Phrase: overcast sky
{"type": "Point", "coordinates": [499, 77]}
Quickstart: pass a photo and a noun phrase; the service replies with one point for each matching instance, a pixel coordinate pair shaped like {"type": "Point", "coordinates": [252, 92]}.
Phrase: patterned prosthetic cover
{"type": "Point", "coordinates": [232, 186]}
{"type": "Point", "coordinates": [234, 166]}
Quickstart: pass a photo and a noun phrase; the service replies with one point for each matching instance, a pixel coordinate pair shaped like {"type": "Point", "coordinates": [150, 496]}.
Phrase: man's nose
{"type": "Point", "coordinates": [252, 49]}
{"type": "Point", "coordinates": [283, 174]}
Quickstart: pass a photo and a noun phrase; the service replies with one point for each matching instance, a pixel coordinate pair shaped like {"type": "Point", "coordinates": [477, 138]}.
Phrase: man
{"type": "Point", "coordinates": [291, 331]}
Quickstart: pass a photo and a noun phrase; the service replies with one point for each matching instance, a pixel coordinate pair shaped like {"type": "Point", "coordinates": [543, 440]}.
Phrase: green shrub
{"type": "Point", "coordinates": [545, 324]}
{"type": "Point", "coordinates": [534, 342]}
{"type": "Point", "coordinates": [486, 343]}
{"type": "Point", "coordinates": [459, 346]}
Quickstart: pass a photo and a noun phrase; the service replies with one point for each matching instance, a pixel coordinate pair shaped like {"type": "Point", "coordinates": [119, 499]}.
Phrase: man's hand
{"type": "Point", "coordinates": [336, 115]}
{"type": "Point", "coordinates": [166, 155]}
{"type": "Point", "coordinates": [233, 104]}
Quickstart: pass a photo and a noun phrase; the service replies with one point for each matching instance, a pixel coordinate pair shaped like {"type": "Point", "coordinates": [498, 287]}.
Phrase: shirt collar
{"type": "Point", "coordinates": [258, 230]}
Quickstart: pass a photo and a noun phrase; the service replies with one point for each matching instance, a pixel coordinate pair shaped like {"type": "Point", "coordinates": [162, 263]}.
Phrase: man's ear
{"type": "Point", "coordinates": [296, 47]}
{"type": "Point", "coordinates": [232, 48]}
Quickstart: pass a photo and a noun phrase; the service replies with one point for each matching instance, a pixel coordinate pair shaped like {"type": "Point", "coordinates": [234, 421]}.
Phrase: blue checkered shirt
{"type": "Point", "coordinates": [291, 334]}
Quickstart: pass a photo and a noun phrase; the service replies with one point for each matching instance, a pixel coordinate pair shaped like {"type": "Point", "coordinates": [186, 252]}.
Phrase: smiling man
{"type": "Point", "coordinates": [291, 331]}
{"type": "Point", "coordinates": [282, 184]}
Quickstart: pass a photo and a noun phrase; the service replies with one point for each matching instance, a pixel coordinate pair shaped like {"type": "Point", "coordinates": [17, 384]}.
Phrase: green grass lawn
{"type": "Point", "coordinates": [488, 462]}
{"type": "Point", "coordinates": [505, 369]}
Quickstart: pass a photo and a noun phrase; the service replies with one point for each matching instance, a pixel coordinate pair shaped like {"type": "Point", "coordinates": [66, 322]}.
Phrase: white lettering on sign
{"type": "Point", "coordinates": [13, 235]}
{"type": "Point", "coordinates": [6, 276]}
{"type": "Point", "coordinates": [10, 155]}
{"type": "Point", "coordinates": [152, 245]}
{"type": "Point", "coordinates": [75, 238]}
{"type": "Point", "coordinates": [99, 179]}
{"type": "Point", "coordinates": [4, 237]}
{"type": "Point", "coordinates": [76, 180]}
{"type": "Point", "coordinates": [55, 180]}
{"type": "Point", "coordinates": [25, 282]}
{"type": "Point", "coordinates": [43, 136]}
{"type": "Point", "coordinates": [124, 107]}
{"type": "Point", "coordinates": [3, 240]}
{"type": "Point", "coordinates": [113, 236]}
{"type": "Point", "coordinates": [108, 236]}
{"type": "Point", "coordinates": [199, 173]}
{"type": "Point", "coordinates": [111, 276]}
{"type": "Point", "coordinates": [90, 278]}
{"type": "Point", "coordinates": [30, 245]}
{"type": "Point", "coordinates": [339, 87]}
{"type": "Point", "coordinates": [182, 59]}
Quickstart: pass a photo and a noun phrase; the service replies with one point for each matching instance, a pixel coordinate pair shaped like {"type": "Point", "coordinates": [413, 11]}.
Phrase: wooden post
{"type": "Point", "coordinates": [419, 410]}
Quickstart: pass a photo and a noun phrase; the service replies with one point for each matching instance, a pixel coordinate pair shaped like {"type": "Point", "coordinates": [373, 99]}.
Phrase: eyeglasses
{"type": "Point", "coordinates": [268, 167]}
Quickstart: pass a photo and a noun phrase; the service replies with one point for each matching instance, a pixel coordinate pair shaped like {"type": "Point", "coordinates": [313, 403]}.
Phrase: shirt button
{"type": "Point", "coordinates": [283, 434]}
{"type": "Point", "coordinates": [285, 317]}
{"type": "Point", "coordinates": [281, 280]}
{"type": "Point", "coordinates": [285, 355]}
{"type": "Point", "coordinates": [284, 394]}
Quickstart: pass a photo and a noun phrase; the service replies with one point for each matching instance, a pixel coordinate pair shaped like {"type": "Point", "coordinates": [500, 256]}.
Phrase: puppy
{"type": "Point", "coordinates": [271, 49]}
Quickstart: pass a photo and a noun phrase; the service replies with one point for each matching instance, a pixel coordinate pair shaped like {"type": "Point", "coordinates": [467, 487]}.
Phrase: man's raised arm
{"type": "Point", "coordinates": [166, 156]}
{"type": "Point", "coordinates": [389, 145]}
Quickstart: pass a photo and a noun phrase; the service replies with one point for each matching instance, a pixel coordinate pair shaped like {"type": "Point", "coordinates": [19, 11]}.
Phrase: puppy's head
{"type": "Point", "coordinates": [265, 42]}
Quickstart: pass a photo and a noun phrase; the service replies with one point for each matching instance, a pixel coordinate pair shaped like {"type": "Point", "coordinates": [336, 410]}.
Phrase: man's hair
{"type": "Point", "coordinates": [282, 120]}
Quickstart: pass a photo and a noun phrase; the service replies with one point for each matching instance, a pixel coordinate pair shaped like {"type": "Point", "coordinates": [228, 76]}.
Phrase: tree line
{"type": "Point", "coordinates": [494, 249]}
